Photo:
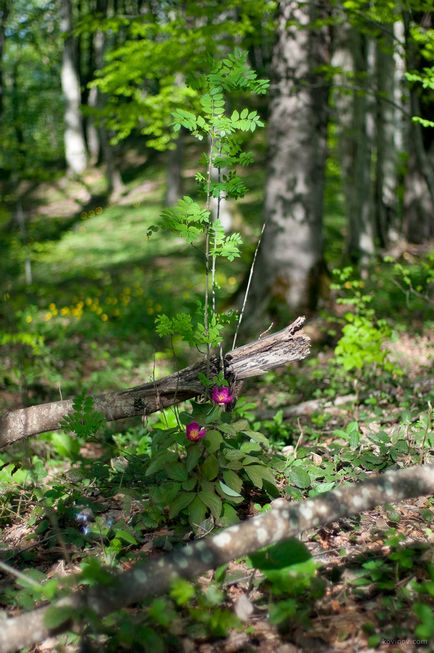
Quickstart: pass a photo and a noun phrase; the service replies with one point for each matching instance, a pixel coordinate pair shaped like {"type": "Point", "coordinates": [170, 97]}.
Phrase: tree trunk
{"type": "Point", "coordinates": [4, 13]}
{"type": "Point", "coordinates": [75, 146]}
{"type": "Point", "coordinates": [291, 256]}
{"type": "Point", "coordinates": [114, 180]}
{"type": "Point", "coordinates": [361, 232]}
{"type": "Point", "coordinates": [419, 180]}
{"type": "Point", "coordinates": [388, 125]}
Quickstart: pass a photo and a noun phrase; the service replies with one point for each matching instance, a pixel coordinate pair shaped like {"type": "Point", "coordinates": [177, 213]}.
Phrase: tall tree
{"type": "Point", "coordinates": [75, 146]}
{"type": "Point", "coordinates": [360, 211]}
{"type": "Point", "coordinates": [419, 180]}
{"type": "Point", "coordinates": [290, 260]}
{"type": "Point", "coordinates": [4, 12]}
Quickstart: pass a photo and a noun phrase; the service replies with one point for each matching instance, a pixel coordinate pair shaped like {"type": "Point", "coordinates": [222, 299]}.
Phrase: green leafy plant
{"type": "Point", "coordinates": [84, 420]}
{"type": "Point", "coordinates": [361, 346]}
{"type": "Point", "coordinates": [203, 462]}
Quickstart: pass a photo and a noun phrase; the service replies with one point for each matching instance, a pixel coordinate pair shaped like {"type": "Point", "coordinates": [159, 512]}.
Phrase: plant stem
{"type": "Point", "coordinates": [246, 294]}
{"type": "Point", "coordinates": [207, 247]}
{"type": "Point", "coordinates": [214, 255]}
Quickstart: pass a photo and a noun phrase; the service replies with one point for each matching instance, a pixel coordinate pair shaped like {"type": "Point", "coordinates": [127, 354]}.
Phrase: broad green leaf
{"type": "Point", "coordinates": [228, 490]}
{"type": "Point", "coordinates": [258, 437]}
{"type": "Point", "coordinates": [229, 516]}
{"type": "Point", "coordinates": [228, 428]}
{"type": "Point", "coordinates": [193, 455]}
{"type": "Point", "coordinates": [176, 471]}
{"type": "Point", "coordinates": [213, 441]}
{"type": "Point", "coordinates": [210, 467]}
{"type": "Point", "coordinates": [182, 501]}
{"type": "Point", "coordinates": [299, 477]}
{"type": "Point", "coordinates": [233, 480]}
{"type": "Point", "coordinates": [197, 511]}
{"type": "Point", "coordinates": [282, 611]}
{"type": "Point", "coordinates": [56, 616]}
{"type": "Point", "coordinates": [126, 537]}
{"type": "Point", "coordinates": [189, 484]}
{"type": "Point", "coordinates": [213, 502]}
{"type": "Point", "coordinates": [259, 473]}
{"type": "Point", "coordinates": [160, 461]}
{"type": "Point", "coordinates": [281, 555]}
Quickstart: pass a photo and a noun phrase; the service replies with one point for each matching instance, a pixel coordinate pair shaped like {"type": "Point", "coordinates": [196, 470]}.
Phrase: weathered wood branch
{"type": "Point", "coordinates": [249, 360]}
{"type": "Point", "coordinates": [284, 520]}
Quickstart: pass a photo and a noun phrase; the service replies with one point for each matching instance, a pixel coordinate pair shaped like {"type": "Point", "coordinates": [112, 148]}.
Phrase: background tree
{"type": "Point", "coordinates": [75, 146]}
{"type": "Point", "coordinates": [290, 260]}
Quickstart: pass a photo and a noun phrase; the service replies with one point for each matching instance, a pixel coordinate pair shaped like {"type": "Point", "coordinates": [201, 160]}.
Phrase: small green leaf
{"type": "Point", "coordinates": [228, 490]}
{"type": "Point", "coordinates": [182, 591]}
{"type": "Point", "coordinates": [299, 477]}
{"type": "Point", "coordinates": [56, 616]}
{"type": "Point", "coordinates": [126, 537]}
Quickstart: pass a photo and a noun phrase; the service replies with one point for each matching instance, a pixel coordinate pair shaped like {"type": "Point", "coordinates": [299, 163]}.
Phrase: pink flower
{"type": "Point", "coordinates": [221, 396]}
{"type": "Point", "coordinates": [194, 432]}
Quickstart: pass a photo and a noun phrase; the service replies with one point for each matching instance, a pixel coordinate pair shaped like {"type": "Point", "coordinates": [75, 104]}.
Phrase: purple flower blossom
{"type": "Point", "coordinates": [194, 432]}
{"type": "Point", "coordinates": [221, 396]}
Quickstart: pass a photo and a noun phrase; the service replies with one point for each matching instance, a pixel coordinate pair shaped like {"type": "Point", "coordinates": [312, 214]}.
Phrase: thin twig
{"type": "Point", "coordinates": [252, 267]}
{"type": "Point", "coordinates": [14, 572]}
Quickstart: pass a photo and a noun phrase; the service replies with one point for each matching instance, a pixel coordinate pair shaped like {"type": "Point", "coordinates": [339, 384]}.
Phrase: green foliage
{"type": "Point", "coordinates": [84, 421]}
{"type": "Point", "coordinates": [204, 480]}
{"type": "Point", "coordinates": [361, 346]}
{"type": "Point", "coordinates": [152, 74]}
{"type": "Point", "coordinates": [187, 218]}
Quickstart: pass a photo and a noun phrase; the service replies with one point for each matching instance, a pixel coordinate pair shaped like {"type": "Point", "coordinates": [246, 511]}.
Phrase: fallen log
{"type": "Point", "coordinates": [255, 358]}
{"type": "Point", "coordinates": [153, 578]}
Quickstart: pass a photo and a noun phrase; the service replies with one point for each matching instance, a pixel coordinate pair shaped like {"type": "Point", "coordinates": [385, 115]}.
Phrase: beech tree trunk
{"type": "Point", "coordinates": [75, 146]}
{"type": "Point", "coordinates": [388, 130]}
{"type": "Point", "coordinates": [419, 180]}
{"type": "Point", "coordinates": [361, 230]}
{"type": "Point", "coordinates": [4, 13]}
{"type": "Point", "coordinates": [291, 256]}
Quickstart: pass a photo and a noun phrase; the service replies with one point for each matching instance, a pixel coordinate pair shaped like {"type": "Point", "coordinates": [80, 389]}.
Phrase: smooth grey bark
{"type": "Point", "coordinates": [388, 125]}
{"type": "Point", "coordinates": [4, 14]}
{"type": "Point", "coordinates": [361, 230]}
{"type": "Point", "coordinates": [243, 362]}
{"type": "Point", "coordinates": [75, 146]}
{"type": "Point", "coordinates": [291, 255]}
{"type": "Point", "coordinates": [114, 180]}
{"type": "Point", "coordinates": [147, 579]}
{"type": "Point", "coordinates": [419, 179]}
{"type": "Point", "coordinates": [175, 160]}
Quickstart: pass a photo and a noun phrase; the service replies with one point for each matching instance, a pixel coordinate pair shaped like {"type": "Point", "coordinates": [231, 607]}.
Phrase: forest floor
{"type": "Point", "coordinates": [97, 287]}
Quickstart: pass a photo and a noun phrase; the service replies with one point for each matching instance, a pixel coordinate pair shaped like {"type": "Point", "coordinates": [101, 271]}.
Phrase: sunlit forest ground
{"type": "Point", "coordinates": [86, 323]}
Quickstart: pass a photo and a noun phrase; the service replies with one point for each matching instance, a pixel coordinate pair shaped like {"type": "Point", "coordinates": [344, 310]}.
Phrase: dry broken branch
{"type": "Point", "coordinates": [249, 360]}
{"type": "Point", "coordinates": [284, 520]}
